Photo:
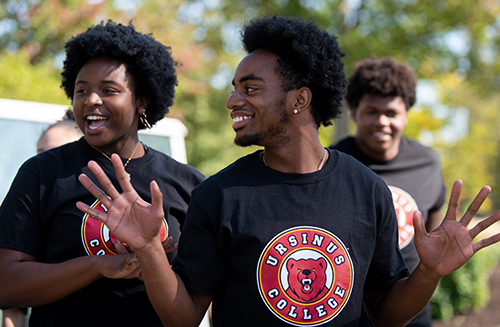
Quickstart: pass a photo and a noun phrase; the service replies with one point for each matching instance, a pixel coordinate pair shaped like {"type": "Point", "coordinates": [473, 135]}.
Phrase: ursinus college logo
{"type": "Point", "coordinates": [305, 276]}
{"type": "Point", "coordinates": [405, 206]}
{"type": "Point", "coordinates": [98, 240]}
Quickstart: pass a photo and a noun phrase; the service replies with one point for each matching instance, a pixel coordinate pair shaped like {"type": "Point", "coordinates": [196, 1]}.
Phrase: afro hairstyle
{"type": "Point", "coordinates": [148, 62]}
{"type": "Point", "coordinates": [384, 77]}
{"type": "Point", "coordinates": [307, 57]}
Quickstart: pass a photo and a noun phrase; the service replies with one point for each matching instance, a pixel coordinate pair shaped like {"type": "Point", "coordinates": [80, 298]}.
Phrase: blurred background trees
{"type": "Point", "coordinates": [452, 45]}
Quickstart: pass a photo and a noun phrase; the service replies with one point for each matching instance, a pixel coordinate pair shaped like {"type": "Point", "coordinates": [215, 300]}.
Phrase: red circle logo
{"type": "Point", "coordinates": [98, 240]}
{"type": "Point", "coordinates": [305, 276]}
{"type": "Point", "coordinates": [405, 206]}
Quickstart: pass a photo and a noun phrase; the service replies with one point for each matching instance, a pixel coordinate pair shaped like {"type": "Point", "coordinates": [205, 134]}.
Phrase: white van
{"type": "Point", "coordinates": [22, 123]}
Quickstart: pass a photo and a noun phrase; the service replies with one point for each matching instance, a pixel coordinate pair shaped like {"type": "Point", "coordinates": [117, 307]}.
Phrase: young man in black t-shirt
{"type": "Point", "coordinates": [379, 94]}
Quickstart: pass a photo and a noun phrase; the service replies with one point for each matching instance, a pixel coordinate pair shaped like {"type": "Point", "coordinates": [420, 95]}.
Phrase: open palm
{"type": "Point", "coordinates": [128, 216]}
{"type": "Point", "coordinates": [451, 245]}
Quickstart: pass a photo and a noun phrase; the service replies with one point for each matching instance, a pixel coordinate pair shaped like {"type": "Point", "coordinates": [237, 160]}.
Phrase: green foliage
{"type": "Point", "coordinates": [21, 81]}
{"type": "Point", "coordinates": [466, 289]}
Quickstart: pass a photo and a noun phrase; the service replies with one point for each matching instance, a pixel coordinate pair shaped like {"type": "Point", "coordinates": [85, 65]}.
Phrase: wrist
{"type": "Point", "coordinates": [150, 247]}
{"type": "Point", "coordinates": [427, 273]}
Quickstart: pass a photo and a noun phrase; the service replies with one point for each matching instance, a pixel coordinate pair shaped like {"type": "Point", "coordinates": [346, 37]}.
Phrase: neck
{"type": "Point", "coordinates": [297, 160]}
{"type": "Point", "coordinates": [124, 149]}
{"type": "Point", "coordinates": [382, 155]}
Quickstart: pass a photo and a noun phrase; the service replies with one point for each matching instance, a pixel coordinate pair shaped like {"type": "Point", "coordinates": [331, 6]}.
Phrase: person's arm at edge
{"type": "Point", "coordinates": [25, 282]}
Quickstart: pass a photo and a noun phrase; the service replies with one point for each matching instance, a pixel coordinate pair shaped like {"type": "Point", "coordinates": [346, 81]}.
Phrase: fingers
{"type": "Point", "coordinates": [484, 224]}
{"type": "Point", "coordinates": [452, 211]}
{"type": "Point", "coordinates": [121, 175]}
{"type": "Point", "coordinates": [475, 205]}
{"type": "Point", "coordinates": [168, 246]}
{"type": "Point", "coordinates": [101, 216]}
{"type": "Point", "coordinates": [120, 249]}
{"type": "Point", "coordinates": [131, 267]}
{"type": "Point", "coordinates": [486, 242]}
{"type": "Point", "coordinates": [92, 188]}
{"type": "Point", "coordinates": [419, 225]}
{"type": "Point", "coordinates": [156, 199]}
{"type": "Point", "coordinates": [103, 179]}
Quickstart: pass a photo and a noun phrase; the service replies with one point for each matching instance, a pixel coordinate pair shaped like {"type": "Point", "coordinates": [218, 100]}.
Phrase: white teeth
{"type": "Point", "coordinates": [238, 119]}
{"type": "Point", "coordinates": [96, 118]}
{"type": "Point", "coordinates": [377, 134]}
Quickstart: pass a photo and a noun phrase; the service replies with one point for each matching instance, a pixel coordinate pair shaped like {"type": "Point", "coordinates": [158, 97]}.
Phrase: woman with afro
{"type": "Point", "coordinates": [65, 264]}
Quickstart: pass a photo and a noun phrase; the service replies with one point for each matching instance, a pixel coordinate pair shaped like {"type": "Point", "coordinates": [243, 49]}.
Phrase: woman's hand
{"type": "Point", "coordinates": [120, 266]}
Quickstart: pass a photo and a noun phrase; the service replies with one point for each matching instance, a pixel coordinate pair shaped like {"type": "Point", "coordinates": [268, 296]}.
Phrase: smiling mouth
{"type": "Point", "coordinates": [241, 118]}
{"type": "Point", "coordinates": [95, 122]}
{"type": "Point", "coordinates": [381, 135]}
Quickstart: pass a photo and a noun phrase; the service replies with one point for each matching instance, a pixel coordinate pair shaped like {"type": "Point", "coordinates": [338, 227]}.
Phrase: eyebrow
{"type": "Point", "coordinates": [102, 82]}
{"type": "Point", "coordinates": [247, 78]}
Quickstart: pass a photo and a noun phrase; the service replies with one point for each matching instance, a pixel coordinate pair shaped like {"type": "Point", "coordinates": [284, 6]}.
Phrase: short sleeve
{"type": "Point", "coordinates": [200, 262]}
{"type": "Point", "coordinates": [20, 223]}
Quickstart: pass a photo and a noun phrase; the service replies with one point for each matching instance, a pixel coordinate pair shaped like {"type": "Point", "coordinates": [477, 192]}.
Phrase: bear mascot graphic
{"type": "Point", "coordinates": [306, 279]}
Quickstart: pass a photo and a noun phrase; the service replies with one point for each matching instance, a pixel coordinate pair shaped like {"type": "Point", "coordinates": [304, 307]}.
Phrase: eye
{"type": "Point", "coordinates": [250, 89]}
{"type": "Point", "coordinates": [109, 90]}
{"type": "Point", "coordinates": [80, 91]}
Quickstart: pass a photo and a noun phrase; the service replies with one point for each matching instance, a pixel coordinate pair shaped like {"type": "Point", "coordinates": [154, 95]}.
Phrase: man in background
{"type": "Point", "coordinates": [379, 95]}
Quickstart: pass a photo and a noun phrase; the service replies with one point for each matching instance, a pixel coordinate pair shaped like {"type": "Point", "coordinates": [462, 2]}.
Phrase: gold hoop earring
{"type": "Point", "coordinates": [144, 120]}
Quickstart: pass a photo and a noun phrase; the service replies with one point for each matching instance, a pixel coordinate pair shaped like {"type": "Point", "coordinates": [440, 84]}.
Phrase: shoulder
{"type": "Point", "coordinates": [160, 160]}
{"type": "Point", "coordinates": [53, 158]}
{"type": "Point", "coordinates": [414, 149]}
{"type": "Point", "coordinates": [355, 171]}
{"type": "Point", "coordinates": [242, 171]}
{"type": "Point", "coordinates": [345, 145]}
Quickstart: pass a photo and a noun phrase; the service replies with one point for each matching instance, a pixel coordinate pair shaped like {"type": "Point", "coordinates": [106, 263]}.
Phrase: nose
{"type": "Point", "coordinates": [306, 272]}
{"type": "Point", "coordinates": [93, 100]}
{"type": "Point", "coordinates": [383, 120]}
{"type": "Point", "coordinates": [234, 101]}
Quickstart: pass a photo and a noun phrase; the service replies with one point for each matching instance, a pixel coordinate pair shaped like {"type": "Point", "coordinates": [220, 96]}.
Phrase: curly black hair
{"type": "Point", "coordinates": [148, 61]}
{"type": "Point", "coordinates": [385, 77]}
{"type": "Point", "coordinates": [307, 56]}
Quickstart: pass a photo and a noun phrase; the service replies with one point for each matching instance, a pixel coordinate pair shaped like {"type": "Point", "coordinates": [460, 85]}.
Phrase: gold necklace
{"type": "Point", "coordinates": [128, 160]}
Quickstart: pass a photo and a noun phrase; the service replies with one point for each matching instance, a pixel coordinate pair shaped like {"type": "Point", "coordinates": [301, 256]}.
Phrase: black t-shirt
{"type": "Point", "coordinates": [414, 177]}
{"type": "Point", "coordinates": [39, 217]}
{"type": "Point", "coordinates": [279, 249]}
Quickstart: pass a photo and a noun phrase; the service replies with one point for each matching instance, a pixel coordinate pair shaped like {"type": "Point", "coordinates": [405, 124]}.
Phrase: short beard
{"type": "Point", "coordinates": [278, 133]}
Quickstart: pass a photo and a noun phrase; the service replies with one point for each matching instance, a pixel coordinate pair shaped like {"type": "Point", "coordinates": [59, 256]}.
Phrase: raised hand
{"type": "Point", "coordinates": [451, 245]}
{"type": "Point", "coordinates": [129, 218]}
